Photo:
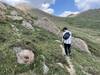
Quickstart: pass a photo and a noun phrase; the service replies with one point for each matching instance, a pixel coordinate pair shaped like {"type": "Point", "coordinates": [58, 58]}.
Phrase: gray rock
{"type": "Point", "coordinates": [80, 44]}
{"type": "Point", "coordinates": [14, 13]}
{"type": "Point", "coordinates": [14, 28]}
{"type": "Point", "coordinates": [24, 56]}
{"type": "Point", "coordinates": [2, 6]}
{"type": "Point", "coordinates": [60, 64]}
{"type": "Point", "coordinates": [47, 24]}
{"type": "Point", "coordinates": [27, 25]}
{"type": "Point", "coordinates": [2, 15]}
{"type": "Point", "coordinates": [45, 67]}
{"type": "Point", "coordinates": [17, 49]}
{"type": "Point", "coordinates": [19, 18]}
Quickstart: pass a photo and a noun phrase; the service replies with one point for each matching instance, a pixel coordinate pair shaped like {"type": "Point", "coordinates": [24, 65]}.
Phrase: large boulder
{"type": "Point", "coordinates": [47, 24]}
{"type": "Point", "coordinates": [24, 56]}
{"type": "Point", "coordinates": [80, 44]}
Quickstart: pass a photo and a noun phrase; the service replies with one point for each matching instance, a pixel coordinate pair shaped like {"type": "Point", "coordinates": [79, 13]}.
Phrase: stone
{"type": "Point", "coordinates": [2, 6]}
{"type": "Point", "coordinates": [47, 24]}
{"type": "Point", "coordinates": [14, 28]}
{"type": "Point", "coordinates": [24, 56]}
{"type": "Point", "coordinates": [27, 25]}
{"type": "Point", "coordinates": [19, 18]}
{"type": "Point", "coordinates": [14, 13]}
{"type": "Point", "coordinates": [80, 44]}
{"type": "Point", "coordinates": [45, 69]}
{"type": "Point", "coordinates": [60, 64]}
{"type": "Point", "coordinates": [17, 49]}
{"type": "Point", "coordinates": [2, 15]}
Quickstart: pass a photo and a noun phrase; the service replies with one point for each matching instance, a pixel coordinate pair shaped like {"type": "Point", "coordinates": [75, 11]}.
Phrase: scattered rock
{"type": "Point", "coordinates": [17, 49]}
{"type": "Point", "coordinates": [2, 6]}
{"type": "Point", "coordinates": [23, 54]}
{"type": "Point", "coordinates": [14, 13]}
{"type": "Point", "coordinates": [27, 25]}
{"type": "Point", "coordinates": [80, 44]}
{"type": "Point", "coordinates": [14, 28]}
{"type": "Point", "coordinates": [58, 41]}
{"type": "Point", "coordinates": [19, 18]}
{"type": "Point", "coordinates": [25, 57]}
{"type": "Point", "coordinates": [2, 15]}
{"type": "Point", "coordinates": [2, 12]}
{"type": "Point", "coordinates": [61, 65]}
{"type": "Point", "coordinates": [47, 25]}
{"type": "Point", "coordinates": [45, 67]}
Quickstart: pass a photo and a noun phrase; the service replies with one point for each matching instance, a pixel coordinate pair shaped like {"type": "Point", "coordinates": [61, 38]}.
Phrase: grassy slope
{"type": "Point", "coordinates": [36, 40]}
{"type": "Point", "coordinates": [40, 41]}
{"type": "Point", "coordinates": [86, 27]}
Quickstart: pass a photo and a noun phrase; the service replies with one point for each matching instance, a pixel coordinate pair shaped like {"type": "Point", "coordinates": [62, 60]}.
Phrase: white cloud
{"type": "Point", "coordinates": [14, 2]}
{"type": "Point", "coordinates": [40, 4]}
{"type": "Point", "coordinates": [67, 13]}
{"type": "Point", "coordinates": [87, 4]}
{"type": "Point", "coordinates": [34, 3]}
{"type": "Point", "coordinates": [45, 8]}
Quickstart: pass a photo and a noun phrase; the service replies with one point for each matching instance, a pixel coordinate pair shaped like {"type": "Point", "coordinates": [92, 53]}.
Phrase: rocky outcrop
{"type": "Point", "coordinates": [48, 25]}
{"type": "Point", "coordinates": [80, 44]}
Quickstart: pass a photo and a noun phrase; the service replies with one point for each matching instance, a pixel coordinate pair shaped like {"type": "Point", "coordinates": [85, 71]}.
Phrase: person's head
{"type": "Point", "coordinates": [64, 29]}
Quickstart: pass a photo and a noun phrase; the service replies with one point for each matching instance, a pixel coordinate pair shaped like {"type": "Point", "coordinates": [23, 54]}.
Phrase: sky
{"type": "Point", "coordinates": [60, 8]}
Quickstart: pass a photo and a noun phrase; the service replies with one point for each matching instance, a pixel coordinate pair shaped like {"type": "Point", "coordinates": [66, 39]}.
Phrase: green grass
{"type": "Point", "coordinates": [40, 41]}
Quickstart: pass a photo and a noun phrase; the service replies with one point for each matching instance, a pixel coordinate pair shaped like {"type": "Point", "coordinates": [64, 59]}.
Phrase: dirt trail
{"type": "Point", "coordinates": [70, 69]}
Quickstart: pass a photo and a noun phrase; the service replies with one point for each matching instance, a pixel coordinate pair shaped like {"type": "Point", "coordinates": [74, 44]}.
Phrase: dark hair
{"type": "Point", "coordinates": [65, 28]}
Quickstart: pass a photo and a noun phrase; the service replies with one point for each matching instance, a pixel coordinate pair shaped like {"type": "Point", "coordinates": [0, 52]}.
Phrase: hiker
{"type": "Point", "coordinates": [67, 40]}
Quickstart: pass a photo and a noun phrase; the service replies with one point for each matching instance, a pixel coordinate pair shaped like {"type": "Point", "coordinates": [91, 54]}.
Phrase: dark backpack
{"type": "Point", "coordinates": [66, 36]}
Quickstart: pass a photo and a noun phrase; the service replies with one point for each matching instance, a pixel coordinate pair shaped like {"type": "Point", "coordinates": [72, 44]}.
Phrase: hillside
{"type": "Point", "coordinates": [36, 31]}
{"type": "Point", "coordinates": [14, 34]}
{"type": "Point", "coordinates": [88, 19]}
{"type": "Point", "coordinates": [88, 23]}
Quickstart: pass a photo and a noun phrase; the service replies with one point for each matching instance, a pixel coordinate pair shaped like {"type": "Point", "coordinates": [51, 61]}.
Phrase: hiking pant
{"type": "Point", "coordinates": [67, 48]}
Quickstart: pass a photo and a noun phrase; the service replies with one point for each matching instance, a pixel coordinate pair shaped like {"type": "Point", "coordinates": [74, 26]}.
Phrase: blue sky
{"type": "Point", "coordinates": [61, 8]}
{"type": "Point", "coordinates": [63, 5]}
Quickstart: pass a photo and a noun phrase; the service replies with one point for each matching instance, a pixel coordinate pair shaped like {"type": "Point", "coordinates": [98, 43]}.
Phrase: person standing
{"type": "Point", "coordinates": [67, 40]}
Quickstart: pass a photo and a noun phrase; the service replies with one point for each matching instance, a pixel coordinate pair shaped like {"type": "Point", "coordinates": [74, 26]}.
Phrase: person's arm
{"type": "Point", "coordinates": [62, 39]}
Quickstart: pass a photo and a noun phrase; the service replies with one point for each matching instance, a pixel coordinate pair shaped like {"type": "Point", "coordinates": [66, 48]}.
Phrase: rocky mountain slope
{"type": "Point", "coordinates": [37, 33]}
